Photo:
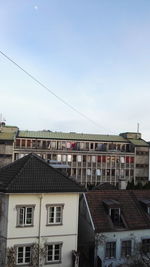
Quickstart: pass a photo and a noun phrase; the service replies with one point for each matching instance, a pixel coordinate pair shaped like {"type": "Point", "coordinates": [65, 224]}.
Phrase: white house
{"type": "Point", "coordinates": [38, 214]}
{"type": "Point", "coordinates": [113, 225]}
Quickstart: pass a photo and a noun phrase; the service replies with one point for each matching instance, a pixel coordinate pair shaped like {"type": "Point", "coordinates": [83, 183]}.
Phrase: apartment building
{"type": "Point", "coordinates": [93, 158]}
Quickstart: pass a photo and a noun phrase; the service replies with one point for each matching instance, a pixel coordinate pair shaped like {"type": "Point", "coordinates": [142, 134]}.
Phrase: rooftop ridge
{"type": "Point", "coordinates": [32, 174]}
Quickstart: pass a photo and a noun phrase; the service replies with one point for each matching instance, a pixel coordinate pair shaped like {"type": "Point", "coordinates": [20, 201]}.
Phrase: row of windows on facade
{"type": "Point", "coordinates": [25, 215]}
{"type": "Point", "coordinates": [52, 253]}
{"type": "Point", "coordinates": [103, 172]}
{"type": "Point", "coordinates": [60, 145]}
{"type": "Point", "coordinates": [85, 158]}
{"type": "Point", "coordinates": [126, 248]}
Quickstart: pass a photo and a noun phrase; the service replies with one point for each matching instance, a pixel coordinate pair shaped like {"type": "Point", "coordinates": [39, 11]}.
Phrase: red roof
{"type": "Point", "coordinates": [132, 212]}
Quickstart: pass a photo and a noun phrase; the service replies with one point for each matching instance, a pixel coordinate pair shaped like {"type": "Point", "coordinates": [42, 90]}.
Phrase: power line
{"type": "Point", "coordinates": [49, 90]}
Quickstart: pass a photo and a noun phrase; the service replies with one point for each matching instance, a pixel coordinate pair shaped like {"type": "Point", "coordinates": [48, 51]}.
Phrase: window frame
{"type": "Point", "coordinates": [112, 215]}
{"type": "Point", "coordinates": [24, 246]}
{"type": "Point", "coordinates": [146, 246]}
{"type": "Point", "coordinates": [55, 206]}
{"type": "Point", "coordinates": [110, 250]}
{"type": "Point", "coordinates": [126, 247]}
{"type": "Point", "coordinates": [53, 261]}
{"type": "Point", "coordinates": [25, 213]}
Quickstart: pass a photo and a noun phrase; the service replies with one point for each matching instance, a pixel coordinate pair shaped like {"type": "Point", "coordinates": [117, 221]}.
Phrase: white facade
{"type": "Point", "coordinates": [135, 236]}
{"type": "Point", "coordinates": [64, 233]}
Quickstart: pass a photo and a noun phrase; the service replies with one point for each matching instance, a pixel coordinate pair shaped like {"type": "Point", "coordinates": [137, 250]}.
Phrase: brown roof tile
{"type": "Point", "coordinates": [132, 212]}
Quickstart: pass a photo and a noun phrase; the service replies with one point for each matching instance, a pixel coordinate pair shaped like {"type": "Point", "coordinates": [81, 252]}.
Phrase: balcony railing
{"type": "Point", "coordinates": [50, 148]}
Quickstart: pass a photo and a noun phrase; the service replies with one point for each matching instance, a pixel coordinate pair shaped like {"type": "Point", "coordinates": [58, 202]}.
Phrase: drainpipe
{"type": "Point", "coordinates": [39, 232]}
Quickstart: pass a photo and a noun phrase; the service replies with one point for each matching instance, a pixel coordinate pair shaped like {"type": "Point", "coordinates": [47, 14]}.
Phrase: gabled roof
{"type": "Point", "coordinates": [31, 174]}
{"type": "Point", "coordinates": [132, 212]}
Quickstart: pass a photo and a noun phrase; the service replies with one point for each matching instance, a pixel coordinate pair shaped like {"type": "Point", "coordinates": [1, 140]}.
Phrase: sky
{"type": "Point", "coordinates": [93, 54]}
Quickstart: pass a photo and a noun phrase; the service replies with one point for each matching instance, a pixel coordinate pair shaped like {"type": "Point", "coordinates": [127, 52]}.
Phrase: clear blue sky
{"type": "Point", "coordinates": [95, 54]}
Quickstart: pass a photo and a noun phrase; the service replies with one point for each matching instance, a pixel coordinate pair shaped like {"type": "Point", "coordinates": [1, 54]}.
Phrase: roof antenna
{"type": "Point", "coordinates": [138, 127]}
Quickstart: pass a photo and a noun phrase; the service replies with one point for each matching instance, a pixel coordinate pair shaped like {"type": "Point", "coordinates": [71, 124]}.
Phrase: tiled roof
{"type": "Point", "coordinates": [31, 174]}
{"type": "Point", "coordinates": [7, 136]}
{"type": "Point", "coordinates": [70, 136]}
{"type": "Point", "coordinates": [133, 214]}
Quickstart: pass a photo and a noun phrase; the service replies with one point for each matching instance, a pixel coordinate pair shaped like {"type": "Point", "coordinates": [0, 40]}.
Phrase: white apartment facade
{"type": "Point", "coordinates": [39, 220]}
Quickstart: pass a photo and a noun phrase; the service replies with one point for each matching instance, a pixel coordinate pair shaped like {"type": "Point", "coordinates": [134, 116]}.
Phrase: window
{"type": "Point", "coordinates": [88, 171]}
{"type": "Point", "coordinates": [55, 214]}
{"type": "Point", "coordinates": [58, 157]}
{"type": "Point", "coordinates": [69, 158]}
{"type": "Point", "coordinates": [79, 158]}
{"type": "Point", "coordinates": [110, 250]}
{"type": "Point", "coordinates": [146, 245]}
{"type": "Point", "coordinates": [115, 216]}
{"type": "Point", "coordinates": [23, 255]}
{"type": "Point", "coordinates": [93, 159]}
{"type": "Point", "coordinates": [53, 254]}
{"type": "Point", "coordinates": [122, 159]}
{"type": "Point", "coordinates": [64, 158]}
{"type": "Point", "coordinates": [98, 172]}
{"type": "Point", "coordinates": [126, 248]}
{"type": "Point", "coordinates": [25, 215]}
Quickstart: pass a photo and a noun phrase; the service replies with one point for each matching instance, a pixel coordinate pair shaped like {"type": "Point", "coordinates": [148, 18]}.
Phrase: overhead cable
{"type": "Point", "coordinates": [50, 91]}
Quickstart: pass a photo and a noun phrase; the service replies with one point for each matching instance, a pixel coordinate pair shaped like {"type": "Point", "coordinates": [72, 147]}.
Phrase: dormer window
{"type": "Point", "coordinates": [113, 208]}
{"type": "Point", "coordinates": [115, 215]}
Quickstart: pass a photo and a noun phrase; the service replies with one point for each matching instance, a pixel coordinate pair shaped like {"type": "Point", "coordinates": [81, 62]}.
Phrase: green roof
{"type": "Point", "coordinates": [70, 136]}
{"type": "Point", "coordinates": [138, 142]}
{"type": "Point", "coordinates": [10, 126]}
{"type": "Point", "coordinates": [7, 136]}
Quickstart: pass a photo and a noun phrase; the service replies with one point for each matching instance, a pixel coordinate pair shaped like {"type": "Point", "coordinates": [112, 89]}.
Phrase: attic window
{"type": "Point", "coordinates": [115, 215]}
{"type": "Point", "coordinates": [113, 208]}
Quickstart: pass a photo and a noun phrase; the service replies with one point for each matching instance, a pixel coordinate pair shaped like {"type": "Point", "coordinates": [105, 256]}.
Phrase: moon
{"type": "Point", "coordinates": [36, 7]}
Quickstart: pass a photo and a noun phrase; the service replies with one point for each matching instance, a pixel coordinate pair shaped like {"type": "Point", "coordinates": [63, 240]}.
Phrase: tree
{"type": "Point", "coordinates": [38, 254]}
{"type": "Point", "coordinates": [141, 258]}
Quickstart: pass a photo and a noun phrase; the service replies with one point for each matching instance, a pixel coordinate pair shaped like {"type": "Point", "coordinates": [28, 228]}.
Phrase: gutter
{"type": "Point", "coordinates": [89, 212]}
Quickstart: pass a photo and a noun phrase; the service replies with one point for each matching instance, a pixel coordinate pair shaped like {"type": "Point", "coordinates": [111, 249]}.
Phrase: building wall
{"type": "Point", "coordinates": [84, 158]}
{"type": "Point", "coordinates": [88, 238]}
{"type": "Point", "coordinates": [66, 233]}
{"type": "Point", "coordinates": [3, 227]}
{"type": "Point", "coordinates": [142, 164]}
{"type": "Point", "coordinates": [90, 162]}
{"type": "Point", "coordinates": [135, 236]}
